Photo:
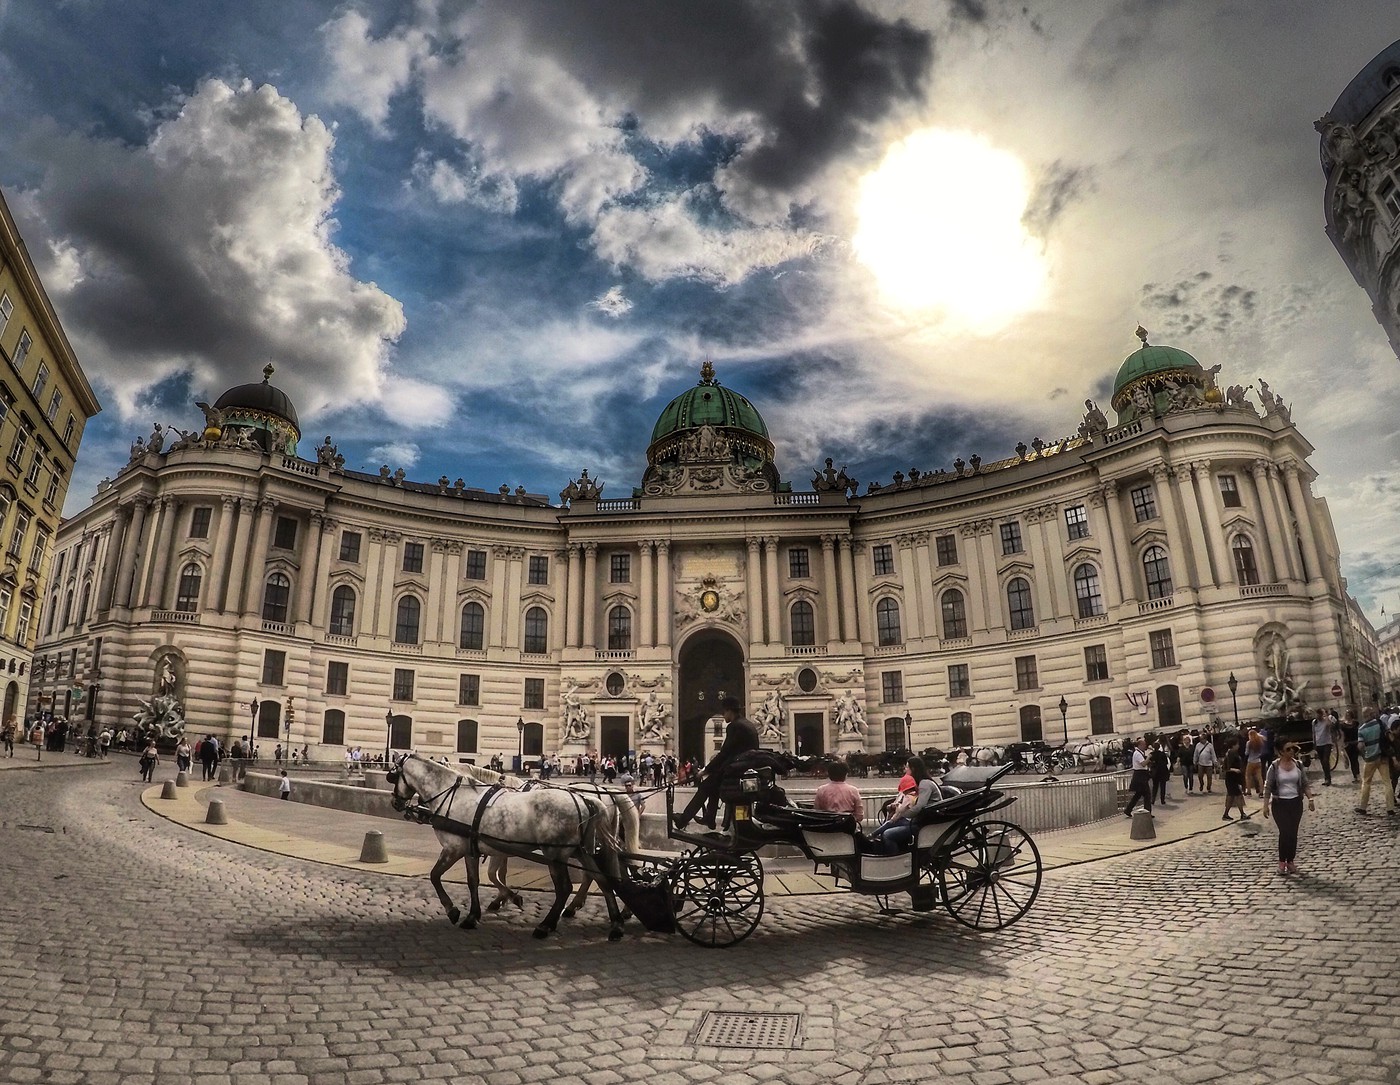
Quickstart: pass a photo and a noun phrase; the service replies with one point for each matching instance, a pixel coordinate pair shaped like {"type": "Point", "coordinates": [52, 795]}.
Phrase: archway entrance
{"type": "Point", "coordinates": [711, 667]}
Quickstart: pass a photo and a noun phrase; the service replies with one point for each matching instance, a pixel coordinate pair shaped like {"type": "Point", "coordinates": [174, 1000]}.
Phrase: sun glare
{"type": "Point", "coordinates": [940, 229]}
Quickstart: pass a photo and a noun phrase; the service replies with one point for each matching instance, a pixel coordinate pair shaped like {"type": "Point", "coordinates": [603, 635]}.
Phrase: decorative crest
{"type": "Point", "coordinates": [268, 370]}
{"type": "Point", "coordinates": [1141, 333]}
{"type": "Point", "coordinates": [707, 373]}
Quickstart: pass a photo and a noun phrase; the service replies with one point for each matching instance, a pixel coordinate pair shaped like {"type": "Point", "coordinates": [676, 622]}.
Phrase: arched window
{"type": "Point", "coordinates": [887, 622]}
{"type": "Point", "coordinates": [407, 619]}
{"type": "Point", "coordinates": [275, 596]}
{"type": "Point", "coordinates": [473, 627]}
{"type": "Point", "coordinates": [1246, 569]}
{"type": "Point", "coordinates": [894, 733]}
{"type": "Point", "coordinates": [1018, 601]}
{"type": "Point", "coordinates": [269, 719]}
{"type": "Point", "coordinates": [962, 729]}
{"type": "Point", "coordinates": [67, 610]}
{"type": "Point", "coordinates": [1031, 730]}
{"type": "Point", "coordinates": [1101, 715]}
{"type": "Point", "coordinates": [1086, 591]}
{"type": "Point", "coordinates": [343, 611]}
{"type": "Point", "coordinates": [85, 603]}
{"type": "Point", "coordinates": [1157, 571]}
{"type": "Point", "coordinates": [333, 728]}
{"type": "Point", "coordinates": [50, 615]}
{"type": "Point", "coordinates": [187, 591]}
{"type": "Point", "coordinates": [804, 623]}
{"type": "Point", "coordinates": [401, 732]}
{"type": "Point", "coordinates": [466, 736]}
{"type": "Point", "coordinates": [537, 631]}
{"type": "Point", "coordinates": [619, 629]}
{"type": "Point", "coordinates": [1169, 707]}
{"type": "Point", "coordinates": [954, 614]}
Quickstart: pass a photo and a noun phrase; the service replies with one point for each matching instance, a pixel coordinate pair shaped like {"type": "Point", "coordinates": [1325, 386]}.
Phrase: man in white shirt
{"type": "Point", "coordinates": [1141, 783]}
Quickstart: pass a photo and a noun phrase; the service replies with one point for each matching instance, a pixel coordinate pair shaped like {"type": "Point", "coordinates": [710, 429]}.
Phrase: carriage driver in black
{"type": "Point", "coordinates": [740, 736]}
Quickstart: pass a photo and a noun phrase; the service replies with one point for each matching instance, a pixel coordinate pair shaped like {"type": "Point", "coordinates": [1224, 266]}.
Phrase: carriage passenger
{"type": "Point", "coordinates": [837, 795]}
{"type": "Point", "coordinates": [896, 833]}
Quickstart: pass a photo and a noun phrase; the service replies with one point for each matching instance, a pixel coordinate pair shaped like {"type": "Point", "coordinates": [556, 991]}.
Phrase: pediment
{"type": "Point", "coordinates": [1238, 522]}
{"type": "Point", "coordinates": [619, 594]}
{"type": "Point", "coordinates": [474, 594]}
{"type": "Point", "coordinates": [950, 580]}
{"type": "Point", "coordinates": [537, 594]}
{"type": "Point", "coordinates": [800, 591]}
{"type": "Point", "coordinates": [1150, 535]}
{"type": "Point", "coordinates": [347, 576]}
{"type": "Point", "coordinates": [410, 582]}
{"type": "Point", "coordinates": [1011, 568]}
{"type": "Point", "coordinates": [193, 551]}
{"type": "Point", "coordinates": [280, 564]}
{"type": "Point", "coordinates": [1083, 553]}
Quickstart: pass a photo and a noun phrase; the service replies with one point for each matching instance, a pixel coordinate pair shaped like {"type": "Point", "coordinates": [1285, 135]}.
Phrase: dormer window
{"type": "Point", "coordinates": [1388, 193]}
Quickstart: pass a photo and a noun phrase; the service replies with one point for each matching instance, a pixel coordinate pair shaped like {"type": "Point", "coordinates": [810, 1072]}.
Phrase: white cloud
{"type": "Point", "coordinates": [208, 251]}
{"type": "Point", "coordinates": [369, 71]}
{"type": "Point", "coordinates": [396, 454]}
{"type": "Point", "coordinates": [449, 184]}
{"type": "Point", "coordinates": [613, 302]}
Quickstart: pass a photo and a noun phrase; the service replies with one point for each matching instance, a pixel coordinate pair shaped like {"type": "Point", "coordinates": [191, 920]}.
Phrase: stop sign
{"type": "Point", "coordinates": [1337, 690]}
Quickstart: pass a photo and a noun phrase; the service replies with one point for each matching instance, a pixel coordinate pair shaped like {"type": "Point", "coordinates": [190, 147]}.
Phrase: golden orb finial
{"type": "Point", "coordinates": [268, 370]}
{"type": "Point", "coordinates": [1141, 333]}
{"type": "Point", "coordinates": [707, 373]}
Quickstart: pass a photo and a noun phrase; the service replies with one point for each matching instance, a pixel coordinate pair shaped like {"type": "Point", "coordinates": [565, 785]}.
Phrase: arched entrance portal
{"type": "Point", "coordinates": [711, 667]}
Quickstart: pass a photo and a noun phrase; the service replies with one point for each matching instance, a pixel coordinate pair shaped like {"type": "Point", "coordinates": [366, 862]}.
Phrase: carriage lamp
{"type": "Point", "coordinates": [1064, 719]}
{"type": "Point", "coordinates": [748, 782]}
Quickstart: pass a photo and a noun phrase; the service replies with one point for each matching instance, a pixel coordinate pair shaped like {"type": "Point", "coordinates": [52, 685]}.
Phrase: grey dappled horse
{"type": "Point", "coordinates": [559, 824]}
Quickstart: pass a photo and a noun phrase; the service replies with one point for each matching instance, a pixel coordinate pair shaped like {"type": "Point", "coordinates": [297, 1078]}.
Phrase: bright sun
{"type": "Point", "coordinates": [940, 228]}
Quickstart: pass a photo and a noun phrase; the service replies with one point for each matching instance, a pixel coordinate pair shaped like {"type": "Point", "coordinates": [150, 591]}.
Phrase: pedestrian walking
{"type": "Point", "coordinates": [1185, 760]}
{"type": "Point", "coordinates": [183, 755]}
{"type": "Point", "coordinates": [1160, 761]}
{"type": "Point", "coordinates": [1254, 762]}
{"type": "Point", "coordinates": [1205, 760]}
{"type": "Point", "coordinates": [36, 739]}
{"type": "Point", "coordinates": [1139, 786]}
{"type": "Point", "coordinates": [7, 736]}
{"type": "Point", "coordinates": [285, 787]}
{"type": "Point", "coordinates": [150, 758]}
{"type": "Point", "coordinates": [1234, 784]}
{"type": "Point", "coordinates": [1285, 788]}
{"type": "Point", "coordinates": [1374, 743]}
{"type": "Point", "coordinates": [1322, 744]}
{"type": "Point", "coordinates": [1349, 745]}
{"type": "Point", "coordinates": [104, 742]}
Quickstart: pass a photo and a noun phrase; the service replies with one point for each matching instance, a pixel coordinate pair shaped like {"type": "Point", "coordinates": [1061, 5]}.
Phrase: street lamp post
{"type": "Point", "coordinates": [388, 733]}
{"type": "Point", "coordinates": [520, 732]}
{"type": "Point", "coordinates": [908, 732]}
{"type": "Point", "coordinates": [1234, 705]}
{"type": "Point", "coordinates": [1064, 718]}
{"type": "Point", "coordinates": [252, 724]}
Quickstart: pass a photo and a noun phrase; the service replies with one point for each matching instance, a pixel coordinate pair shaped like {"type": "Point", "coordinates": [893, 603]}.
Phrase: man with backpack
{"type": "Point", "coordinates": [1371, 736]}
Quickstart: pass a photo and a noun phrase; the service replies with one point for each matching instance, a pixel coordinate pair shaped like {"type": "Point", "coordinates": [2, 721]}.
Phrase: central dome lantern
{"type": "Point", "coordinates": [709, 439]}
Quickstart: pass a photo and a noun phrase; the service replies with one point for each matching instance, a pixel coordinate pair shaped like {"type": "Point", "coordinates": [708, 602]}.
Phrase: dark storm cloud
{"type": "Point", "coordinates": [1199, 303]}
{"type": "Point", "coordinates": [1058, 186]}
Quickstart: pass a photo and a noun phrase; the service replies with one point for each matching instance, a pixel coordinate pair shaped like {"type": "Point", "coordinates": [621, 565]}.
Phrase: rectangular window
{"type": "Point", "coordinates": [285, 536]}
{"type": "Point", "coordinates": [620, 569]}
{"type": "Point", "coordinates": [959, 681]}
{"type": "Point", "coordinates": [36, 466]}
{"type": "Point", "coordinates": [1163, 653]}
{"type": "Point", "coordinates": [26, 619]}
{"type": "Point", "coordinates": [4, 409]}
{"type": "Point", "coordinates": [7, 310]}
{"type": "Point", "coordinates": [350, 546]}
{"type": "Point", "coordinates": [1230, 492]}
{"type": "Point", "coordinates": [962, 729]}
{"type": "Point", "coordinates": [51, 494]}
{"type": "Point", "coordinates": [21, 530]}
{"type": "Point", "coordinates": [1026, 676]}
{"type": "Point", "coordinates": [68, 429]}
{"type": "Point", "coordinates": [1011, 537]}
{"type": "Point", "coordinates": [883, 557]}
{"type": "Point", "coordinates": [476, 565]}
{"type": "Point", "coordinates": [403, 684]}
{"type": "Point", "coordinates": [274, 667]}
{"type": "Point", "coordinates": [6, 598]}
{"type": "Point", "coordinates": [41, 543]}
{"type": "Point", "coordinates": [1096, 663]}
{"type": "Point", "coordinates": [41, 378]}
{"type": "Point", "coordinates": [413, 557]}
{"type": "Point", "coordinates": [799, 562]}
{"type": "Point", "coordinates": [1076, 522]}
{"type": "Point", "coordinates": [947, 546]}
{"type": "Point", "coordinates": [469, 689]}
{"type": "Point", "coordinates": [891, 687]}
{"type": "Point", "coordinates": [1389, 195]}
{"type": "Point", "coordinates": [21, 350]}
{"type": "Point", "coordinates": [1144, 504]}
{"type": "Point", "coordinates": [55, 401]}
{"type": "Point", "coordinates": [17, 449]}
{"type": "Point", "coordinates": [199, 522]}
{"type": "Point", "coordinates": [337, 678]}
{"type": "Point", "coordinates": [539, 569]}
{"type": "Point", "coordinates": [534, 693]}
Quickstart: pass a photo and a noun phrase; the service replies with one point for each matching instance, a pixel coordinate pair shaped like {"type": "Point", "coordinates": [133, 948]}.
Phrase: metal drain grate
{"type": "Point", "coordinates": [766, 1030]}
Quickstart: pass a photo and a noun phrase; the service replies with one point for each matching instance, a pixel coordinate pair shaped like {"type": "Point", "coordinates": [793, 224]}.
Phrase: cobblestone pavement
{"type": "Point", "coordinates": [135, 950]}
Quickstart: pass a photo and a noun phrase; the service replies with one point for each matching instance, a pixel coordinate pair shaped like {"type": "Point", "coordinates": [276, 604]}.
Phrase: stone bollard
{"type": "Point", "coordinates": [216, 815]}
{"type": "Point", "coordinates": [167, 789]}
{"type": "Point", "coordinates": [374, 850]}
{"type": "Point", "coordinates": [1142, 829]}
{"type": "Point", "coordinates": [182, 779]}
{"type": "Point", "coordinates": [223, 775]}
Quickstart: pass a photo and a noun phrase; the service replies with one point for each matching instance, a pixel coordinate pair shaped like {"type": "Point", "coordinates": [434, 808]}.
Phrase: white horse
{"type": "Point", "coordinates": [556, 823]}
{"type": "Point", "coordinates": [986, 755]}
{"type": "Point", "coordinates": [624, 824]}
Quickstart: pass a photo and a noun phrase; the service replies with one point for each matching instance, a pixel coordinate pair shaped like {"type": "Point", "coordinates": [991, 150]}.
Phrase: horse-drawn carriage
{"type": "Point", "coordinates": [985, 872]}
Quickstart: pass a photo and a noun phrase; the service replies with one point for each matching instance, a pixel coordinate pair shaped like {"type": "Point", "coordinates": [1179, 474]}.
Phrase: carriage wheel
{"type": "Point", "coordinates": [990, 875]}
{"type": "Point", "coordinates": [719, 897]}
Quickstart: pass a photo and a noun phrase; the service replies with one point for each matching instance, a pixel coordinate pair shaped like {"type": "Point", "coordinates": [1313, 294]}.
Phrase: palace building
{"type": "Point", "coordinates": [45, 402]}
{"type": "Point", "coordinates": [1112, 581]}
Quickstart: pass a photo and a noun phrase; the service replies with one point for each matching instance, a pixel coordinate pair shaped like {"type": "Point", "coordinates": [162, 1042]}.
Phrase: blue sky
{"type": "Point", "coordinates": [492, 240]}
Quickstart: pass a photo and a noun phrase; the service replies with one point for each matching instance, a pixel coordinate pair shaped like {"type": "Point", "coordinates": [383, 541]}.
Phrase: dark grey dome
{"type": "Point", "coordinates": [1370, 87]}
{"type": "Point", "coordinates": [261, 397]}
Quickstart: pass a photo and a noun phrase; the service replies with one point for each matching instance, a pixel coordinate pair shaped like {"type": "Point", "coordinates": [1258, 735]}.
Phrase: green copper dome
{"type": "Point", "coordinates": [708, 404]}
{"type": "Point", "coordinates": [1150, 359]}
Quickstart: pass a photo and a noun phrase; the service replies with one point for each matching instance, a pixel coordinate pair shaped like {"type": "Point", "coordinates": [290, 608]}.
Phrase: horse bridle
{"type": "Point", "coordinates": [434, 804]}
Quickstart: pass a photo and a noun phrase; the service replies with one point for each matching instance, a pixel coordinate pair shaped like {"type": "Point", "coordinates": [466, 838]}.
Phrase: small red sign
{"type": "Point", "coordinates": [1207, 695]}
{"type": "Point", "coordinates": [1337, 690]}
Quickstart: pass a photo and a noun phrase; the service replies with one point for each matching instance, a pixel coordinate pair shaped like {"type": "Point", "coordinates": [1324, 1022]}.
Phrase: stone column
{"type": "Point", "coordinates": [1171, 518]}
{"type": "Point", "coordinates": [432, 610]}
{"type": "Point", "coordinates": [912, 629]}
{"type": "Point", "coordinates": [770, 587]}
{"type": "Point", "coordinates": [1220, 554]}
{"type": "Point", "coordinates": [1302, 513]}
{"type": "Point", "coordinates": [499, 605]}
{"type": "Point", "coordinates": [976, 576]}
{"type": "Point", "coordinates": [1268, 510]}
{"type": "Point", "coordinates": [921, 590]}
{"type": "Point", "coordinates": [257, 558]}
{"type": "Point", "coordinates": [515, 577]}
{"type": "Point", "coordinates": [368, 620]}
{"type": "Point", "coordinates": [573, 599]}
{"type": "Point", "coordinates": [317, 598]}
{"type": "Point", "coordinates": [1285, 519]}
{"type": "Point", "coordinates": [163, 542]}
{"type": "Point", "coordinates": [449, 622]}
{"type": "Point", "coordinates": [130, 548]}
{"type": "Point", "coordinates": [664, 602]}
{"type": "Point", "coordinates": [1120, 544]}
{"type": "Point", "coordinates": [233, 595]}
{"type": "Point", "coordinates": [388, 572]}
{"type": "Point", "coordinates": [1061, 591]}
{"type": "Point", "coordinates": [590, 595]}
{"type": "Point", "coordinates": [1044, 574]}
{"type": "Point", "coordinates": [990, 585]}
{"type": "Point", "coordinates": [114, 557]}
{"type": "Point", "coordinates": [865, 628]}
{"type": "Point", "coordinates": [848, 590]}
{"type": "Point", "coordinates": [559, 630]}
{"type": "Point", "coordinates": [1108, 566]}
{"type": "Point", "coordinates": [646, 598]}
{"type": "Point", "coordinates": [832, 603]}
{"type": "Point", "coordinates": [753, 579]}
{"type": "Point", "coordinates": [212, 585]}
{"type": "Point", "coordinates": [1195, 525]}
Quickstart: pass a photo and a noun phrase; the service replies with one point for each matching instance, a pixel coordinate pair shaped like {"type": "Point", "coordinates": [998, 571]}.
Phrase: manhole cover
{"type": "Point", "coordinates": [36, 828]}
{"type": "Point", "coordinates": [776, 1030]}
